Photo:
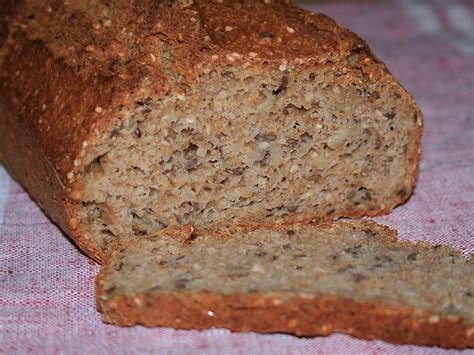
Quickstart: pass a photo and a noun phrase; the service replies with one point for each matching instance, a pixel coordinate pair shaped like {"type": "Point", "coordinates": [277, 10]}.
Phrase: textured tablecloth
{"type": "Point", "coordinates": [47, 285]}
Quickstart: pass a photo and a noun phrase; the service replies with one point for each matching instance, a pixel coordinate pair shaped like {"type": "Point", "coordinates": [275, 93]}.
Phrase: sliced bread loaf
{"type": "Point", "coordinates": [352, 278]}
{"type": "Point", "coordinates": [131, 116]}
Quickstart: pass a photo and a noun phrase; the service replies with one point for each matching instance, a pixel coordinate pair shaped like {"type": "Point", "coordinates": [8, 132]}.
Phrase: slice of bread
{"type": "Point", "coordinates": [353, 278]}
{"type": "Point", "coordinates": [128, 118]}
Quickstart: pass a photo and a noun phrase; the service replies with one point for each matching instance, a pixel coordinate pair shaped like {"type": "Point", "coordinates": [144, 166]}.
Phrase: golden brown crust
{"type": "Point", "coordinates": [27, 163]}
{"type": "Point", "coordinates": [21, 158]}
{"type": "Point", "coordinates": [321, 315]}
{"type": "Point", "coordinates": [5, 10]}
{"type": "Point", "coordinates": [68, 72]}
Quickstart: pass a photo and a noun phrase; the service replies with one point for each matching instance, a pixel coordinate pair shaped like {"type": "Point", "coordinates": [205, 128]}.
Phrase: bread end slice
{"type": "Point", "coordinates": [352, 278]}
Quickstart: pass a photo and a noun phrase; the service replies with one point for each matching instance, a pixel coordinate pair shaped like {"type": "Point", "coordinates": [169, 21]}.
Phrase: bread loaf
{"type": "Point", "coordinates": [352, 278]}
{"type": "Point", "coordinates": [129, 117]}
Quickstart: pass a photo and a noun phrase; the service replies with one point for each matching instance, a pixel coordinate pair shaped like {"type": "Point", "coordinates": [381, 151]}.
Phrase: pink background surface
{"type": "Point", "coordinates": [47, 285]}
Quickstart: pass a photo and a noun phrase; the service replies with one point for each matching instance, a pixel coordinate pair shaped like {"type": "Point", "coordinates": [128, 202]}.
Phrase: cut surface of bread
{"type": "Point", "coordinates": [154, 114]}
{"type": "Point", "coordinates": [353, 278]}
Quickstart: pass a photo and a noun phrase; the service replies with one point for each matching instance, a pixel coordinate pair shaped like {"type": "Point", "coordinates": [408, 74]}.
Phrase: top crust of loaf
{"type": "Point", "coordinates": [94, 61]}
{"type": "Point", "coordinates": [100, 59]}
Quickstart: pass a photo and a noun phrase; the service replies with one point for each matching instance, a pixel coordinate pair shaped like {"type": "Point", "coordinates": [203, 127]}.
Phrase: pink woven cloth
{"type": "Point", "coordinates": [47, 285]}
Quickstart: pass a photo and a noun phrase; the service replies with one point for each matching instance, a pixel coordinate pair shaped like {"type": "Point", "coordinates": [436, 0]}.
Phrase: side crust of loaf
{"type": "Point", "coordinates": [27, 163]}
{"type": "Point", "coordinates": [303, 317]}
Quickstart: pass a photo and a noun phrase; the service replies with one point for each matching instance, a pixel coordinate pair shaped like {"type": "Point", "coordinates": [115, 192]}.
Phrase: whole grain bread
{"type": "Point", "coordinates": [308, 280]}
{"type": "Point", "coordinates": [129, 117]}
